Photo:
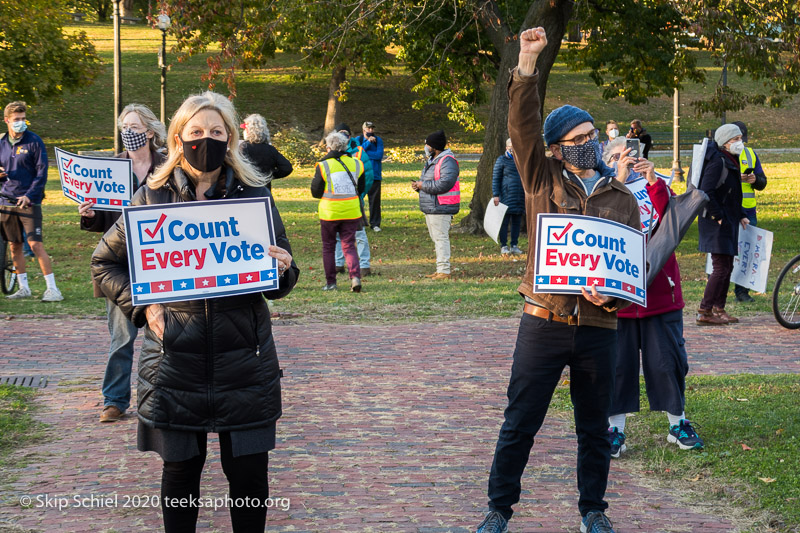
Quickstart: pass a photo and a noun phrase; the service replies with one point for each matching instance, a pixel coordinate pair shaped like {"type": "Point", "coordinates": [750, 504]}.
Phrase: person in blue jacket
{"type": "Point", "coordinates": [507, 188]}
{"type": "Point", "coordinates": [23, 171]}
{"type": "Point", "coordinates": [373, 145]}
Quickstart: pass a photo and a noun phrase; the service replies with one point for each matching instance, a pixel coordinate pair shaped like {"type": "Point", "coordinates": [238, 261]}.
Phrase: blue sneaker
{"type": "Point", "coordinates": [617, 439]}
{"type": "Point", "coordinates": [684, 436]}
{"type": "Point", "coordinates": [596, 522]}
{"type": "Point", "coordinates": [493, 523]}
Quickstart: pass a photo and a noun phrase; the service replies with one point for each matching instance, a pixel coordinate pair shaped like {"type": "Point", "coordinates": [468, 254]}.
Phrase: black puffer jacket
{"type": "Point", "coordinates": [216, 368]}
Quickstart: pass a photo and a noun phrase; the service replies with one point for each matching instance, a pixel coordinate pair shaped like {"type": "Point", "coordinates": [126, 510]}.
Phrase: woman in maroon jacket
{"type": "Point", "coordinates": [656, 330]}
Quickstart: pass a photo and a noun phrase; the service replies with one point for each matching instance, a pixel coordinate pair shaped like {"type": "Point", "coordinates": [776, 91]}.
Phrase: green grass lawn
{"type": "Point", "coordinates": [752, 445]}
{"type": "Point", "coordinates": [17, 426]}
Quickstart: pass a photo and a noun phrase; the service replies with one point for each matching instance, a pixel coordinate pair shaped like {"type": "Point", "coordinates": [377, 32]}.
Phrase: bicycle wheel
{"type": "Point", "coordinates": [9, 275]}
{"type": "Point", "coordinates": [786, 295]}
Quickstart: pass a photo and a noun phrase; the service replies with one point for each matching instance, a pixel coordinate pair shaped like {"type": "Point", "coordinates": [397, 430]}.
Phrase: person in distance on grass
{"type": "Point", "coordinates": [439, 197]}
{"type": "Point", "coordinates": [258, 149]}
{"type": "Point", "coordinates": [23, 171]}
{"type": "Point", "coordinates": [656, 330]}
{"type": "Point", "coordinates": [208, 365]}
{"type": "Point", "coordinates": [637, 131]}
{"type": "Point", "coordinates": [338, 180]}
{"type": "Point", "coordinates": [557, 330]}
{"type": "Point", "coordinates": [612, 132]}
{"type": "Point", "coordinates": [143, 137]}
{"type": "Point", "coordinates": [507, 188]}
{"type": "Point", "coordinates": [356, 151]}
{"type": "Point", "coordinates": [752, 181]}
{"type": "Point", "coordinates": [373, 145]}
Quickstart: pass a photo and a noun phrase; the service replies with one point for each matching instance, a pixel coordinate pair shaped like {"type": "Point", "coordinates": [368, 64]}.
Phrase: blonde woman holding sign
{"type": "Point", "coordinates": [207, 366]}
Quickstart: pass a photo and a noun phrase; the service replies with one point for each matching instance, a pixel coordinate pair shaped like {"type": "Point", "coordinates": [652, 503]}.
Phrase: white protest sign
{"type": "Point", "coordinates": [493, 219]}
{"type": "Point", "coordinates": [106, 181]}
{"type": "Point", "coordinates": [751, 266]}
{"type": "Point", "coordinates": [195, 250]}
{"type": "Point", "coordinates": [578, 251]}
{"type": "Point", "coordinates": [698, 158]}
{"type": "Point", "coordinates": [638, 187]}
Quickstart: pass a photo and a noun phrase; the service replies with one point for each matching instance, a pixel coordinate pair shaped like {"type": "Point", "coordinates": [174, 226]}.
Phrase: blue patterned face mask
{"type": "Point", "coordinates": [584, 156]}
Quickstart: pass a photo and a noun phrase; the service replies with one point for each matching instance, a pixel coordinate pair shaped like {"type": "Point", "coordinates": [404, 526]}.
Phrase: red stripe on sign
{"type": "Point", "coordinates": [559, 280]}
{"type": "Point", "coordinates": [116, 202]}
{"type": "Point", "coordinates": [161, 286]}
{"type": "Point", "coordinates": [203, 283]}
{"type": "Point", "coordinates": [600, 282]}
{"type": "Point", "coordinates": [629, 288]}
{"type": "Point", "coordinates": [249, 277]}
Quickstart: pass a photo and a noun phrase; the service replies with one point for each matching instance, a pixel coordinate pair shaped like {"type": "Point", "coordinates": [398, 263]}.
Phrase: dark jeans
{"type": "Point", "coordinates": [375, 204]}
{"type": "Point", "coordinates": [739, 290]}
{"type": "Point", "coordinates": [664, 363]}
{"type": "Point", "coordinates": [247, 477]}
{"type": "Point", "coordinates": [716, 293]}
{"type": "Point", "coordinates": [543, 350]}
{"type": "Point", "coordinates": [516, 222]}
{"type": "Point", "coordinates": [347, 232]}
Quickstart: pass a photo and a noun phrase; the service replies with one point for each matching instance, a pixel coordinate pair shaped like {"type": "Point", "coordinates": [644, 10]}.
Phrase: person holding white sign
{"type": "Point", "coordinates": [718, 226]}
{"type": "Point", "coordinates": [557, 330]}
{"type": "Point", "coordinates": [655, 330]}
{"type": "Point", "coordinates": [143, 136]}
{"type": "Point", "coordinates": [507, 188]}
{"type": "Point", "coordinates": [207, 365]}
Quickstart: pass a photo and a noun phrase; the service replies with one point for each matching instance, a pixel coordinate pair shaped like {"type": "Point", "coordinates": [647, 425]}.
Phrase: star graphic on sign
{"type": "Point", "coordinates": [161, 287]}
{"type": "Point", "coordinates": [541, 279]}
{"type": "Point", "coordinates": [558, 280]}
{"type": "Point", "coordinates": [205, 282]}
{"type": "Point", "coordinates": [271, 274]}
{"type": "Point", "coordinates": [577, 280]}
{"type": "Point", "coordinates": [139, 288]}
{"type": "Point", "coordinates": [249, 277]}
{"type": "Point", "coordinates": [227, 280]}
{"type": "Point", "coordinates": [183, 284]}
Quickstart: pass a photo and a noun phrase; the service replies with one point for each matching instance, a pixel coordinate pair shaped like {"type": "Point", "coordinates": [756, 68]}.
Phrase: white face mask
{"type": "Point", "coordinates": [612, 134]}
{"type": "Point", "coordinates": [737, 148]}
{"type": "Point", "coordinates": [428, 152]}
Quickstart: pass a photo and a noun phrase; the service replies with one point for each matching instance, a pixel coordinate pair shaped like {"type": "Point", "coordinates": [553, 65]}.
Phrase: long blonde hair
{"type": "Point", "coordinates": [242, 168]}
{"type": "Point", "coordinates": [150, 122]}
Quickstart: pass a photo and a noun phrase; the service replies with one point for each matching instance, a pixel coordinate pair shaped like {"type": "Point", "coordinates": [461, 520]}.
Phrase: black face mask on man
{"type": "Point", "coordinates": [206, 154]}
{"type": "Point", "coordinates": [583, 156]}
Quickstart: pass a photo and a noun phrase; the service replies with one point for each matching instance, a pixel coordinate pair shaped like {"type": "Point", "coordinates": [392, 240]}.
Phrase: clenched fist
{"type": "Point", "coordinates": [531, 43]}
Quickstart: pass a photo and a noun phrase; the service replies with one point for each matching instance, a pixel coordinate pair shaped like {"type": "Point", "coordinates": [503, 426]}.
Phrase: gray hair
{"type": "Point", "coordinates": [508, 141]}
{"type": "Point", "coordinates": [256, 129]}
{"type": "Point", "coordinates": [336, 141]}
{"type": "Point", "coordinates": [611, 147]}
{"type": "Point", "coordinates": [150, 122]}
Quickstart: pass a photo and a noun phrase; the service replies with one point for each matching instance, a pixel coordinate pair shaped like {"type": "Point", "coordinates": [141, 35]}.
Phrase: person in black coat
{"type": "Point", "coordinates": [721, 180]}
{"type": "Point", "coordinates": [207, 365]}
{"type": "Point", "coordinates": [507, 188]}
{"type": "Point", "coordinates": [638, 131]}
{"type": "Point", "coordinates": [257, 148]}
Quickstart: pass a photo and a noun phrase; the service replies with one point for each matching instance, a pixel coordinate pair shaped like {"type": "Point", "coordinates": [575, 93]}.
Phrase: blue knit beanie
{"type": "Point", "coordinates": [560, 121]}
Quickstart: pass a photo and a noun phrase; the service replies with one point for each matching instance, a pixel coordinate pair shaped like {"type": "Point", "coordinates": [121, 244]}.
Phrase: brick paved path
{"type": "Point", "coordinates": [384, 429]}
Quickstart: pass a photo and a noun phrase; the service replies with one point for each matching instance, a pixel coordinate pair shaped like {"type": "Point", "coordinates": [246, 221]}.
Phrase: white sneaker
{"type": "Point", "coordinates": [505, 250]}
{"type": "Point", "coordinates": [516, 251]}
{"type": "Point", "coordinates": [376, 229]}
{"type": "Point", "coordinates": [20, 294]}
{"type": "Point", "coordinates": [52, 295]}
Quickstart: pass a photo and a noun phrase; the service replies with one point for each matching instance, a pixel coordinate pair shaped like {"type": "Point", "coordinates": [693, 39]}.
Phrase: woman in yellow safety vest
{"type": "Point", "coordinates": [338, 181]}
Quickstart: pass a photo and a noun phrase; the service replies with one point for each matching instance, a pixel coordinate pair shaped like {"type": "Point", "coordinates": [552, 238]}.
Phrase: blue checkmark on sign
{"type": "Point", "coordinates": [557, 235]}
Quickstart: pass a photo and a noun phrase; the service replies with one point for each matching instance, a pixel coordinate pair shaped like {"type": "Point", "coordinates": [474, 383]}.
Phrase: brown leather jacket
{"type": "Point", "coordinates": [549, 190]}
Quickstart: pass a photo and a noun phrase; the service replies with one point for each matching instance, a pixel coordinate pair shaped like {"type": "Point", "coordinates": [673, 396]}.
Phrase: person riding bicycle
{"type": "Point", "coordinates": [23, 159]}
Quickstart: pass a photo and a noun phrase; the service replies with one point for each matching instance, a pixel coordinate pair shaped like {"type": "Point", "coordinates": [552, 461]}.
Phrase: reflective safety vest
{"type": "Point", "coordinates": [453, 196]}
{"type": "Point", "coordinates": [747, 160]}
{"type": "Point", "coordinates": [340, 200]}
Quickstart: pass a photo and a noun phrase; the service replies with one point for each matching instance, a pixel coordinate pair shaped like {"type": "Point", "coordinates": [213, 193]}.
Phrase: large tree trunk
{"type": "Point", "coordinates": [553, 16]}
{"type": "Point", "coordinates": [334, 102]}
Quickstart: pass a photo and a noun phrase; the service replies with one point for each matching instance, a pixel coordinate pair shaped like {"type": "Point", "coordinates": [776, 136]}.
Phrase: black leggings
{"type": "Point", "coordinates": [247, 477]}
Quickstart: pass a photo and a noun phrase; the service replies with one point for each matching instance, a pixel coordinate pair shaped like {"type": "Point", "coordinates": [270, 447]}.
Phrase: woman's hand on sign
{"type": "Point", "coordinates": [85, 209]}
{"type": "Point", "coordinates": [155, 319]}
{"type": "Point", "coordinates": [284, 258]}
{"type": "Point", "coordinates": [595, 297]}
{"type": "Point", "coordinates": [744, 222]}
{"type": "Point", "coordinates": [496, 200]}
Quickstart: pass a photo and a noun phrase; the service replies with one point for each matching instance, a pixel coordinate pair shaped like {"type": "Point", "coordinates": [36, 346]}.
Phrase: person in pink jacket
{"type": "Point", "coordinates": [655, 331]}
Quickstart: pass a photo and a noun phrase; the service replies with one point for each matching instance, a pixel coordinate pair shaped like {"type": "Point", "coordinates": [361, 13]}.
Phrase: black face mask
{"type": "Point", "coordinates": [205, 154]}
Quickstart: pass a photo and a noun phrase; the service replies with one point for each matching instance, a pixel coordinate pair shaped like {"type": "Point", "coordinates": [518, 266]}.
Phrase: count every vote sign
{"type": "Point", "coordinates": [106, 181]}
{"type": "Point", "coordinates": [197, 250]}
{"type": "Point", "coordinates": [575, 251]}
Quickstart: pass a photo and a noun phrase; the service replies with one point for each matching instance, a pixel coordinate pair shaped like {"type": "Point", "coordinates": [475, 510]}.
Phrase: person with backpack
{"type": "Point", "coordinates": [439, 197]}
{"type": "Point", "coordinates": [721, 180]}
